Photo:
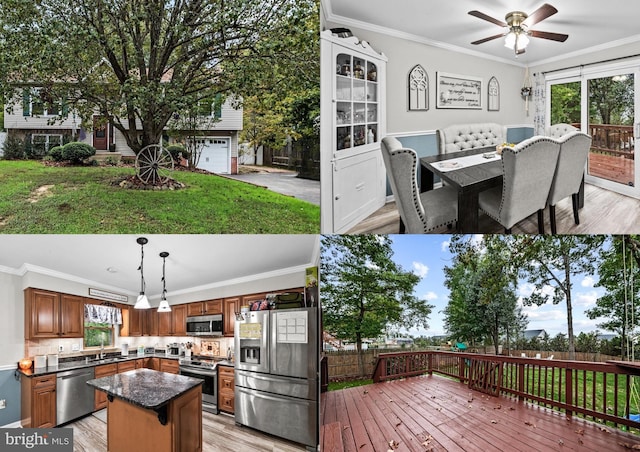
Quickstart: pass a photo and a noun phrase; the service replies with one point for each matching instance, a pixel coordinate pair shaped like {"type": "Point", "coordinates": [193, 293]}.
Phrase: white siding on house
{"type": "Point", "coordinates": [230, 118]}
{"type": "Point", "coordinates": [15, 120]}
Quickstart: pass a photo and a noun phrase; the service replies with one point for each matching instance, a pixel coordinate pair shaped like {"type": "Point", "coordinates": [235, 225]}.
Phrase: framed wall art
{"type": "Point", "coordinates": [418, 89]}
{"type": "Point", "coordinates": [458, 91]}
{"type": "Point", "coordinates": [493, 95]}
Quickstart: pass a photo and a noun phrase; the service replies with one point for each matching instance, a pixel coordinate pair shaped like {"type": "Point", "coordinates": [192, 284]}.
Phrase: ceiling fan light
{"type": "Point", "coordinates": [510, 40]}
{"type": "Point", "coordinates": [522, 41]}
{"type": "Point", "coordinates": [164, 306]}
{"type": "Point", "coordinates": [142, 302]}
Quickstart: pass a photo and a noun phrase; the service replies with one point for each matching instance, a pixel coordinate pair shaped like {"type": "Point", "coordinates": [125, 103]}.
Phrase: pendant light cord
{"type": "Point", "coordinates": [142, 283]}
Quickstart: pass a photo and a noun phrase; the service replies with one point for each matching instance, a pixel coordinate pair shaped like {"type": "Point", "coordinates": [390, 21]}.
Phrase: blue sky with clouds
{"type": "Point", "coordinates": [427, 255]}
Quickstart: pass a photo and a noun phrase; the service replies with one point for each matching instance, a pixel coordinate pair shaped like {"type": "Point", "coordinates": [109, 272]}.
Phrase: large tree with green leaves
{"type": "Point", "coordinates": [482, 300]}
{"type": "Point", "coordinates": [364, 291]}
{"type": "Point", "coordinates": [137, 63]}
{"type": "Point", "coordinates": [550, 263]}
{"type": "Point", "coordinates": [619, 308]}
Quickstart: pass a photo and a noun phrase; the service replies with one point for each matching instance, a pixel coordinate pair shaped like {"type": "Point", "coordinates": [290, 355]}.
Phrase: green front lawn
{"type": "Point", "coordinates": [87, 200]}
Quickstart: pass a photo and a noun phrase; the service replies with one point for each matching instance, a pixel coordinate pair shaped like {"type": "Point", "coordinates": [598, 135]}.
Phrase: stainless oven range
{"type": "Point", "coordinates": [204, 369]}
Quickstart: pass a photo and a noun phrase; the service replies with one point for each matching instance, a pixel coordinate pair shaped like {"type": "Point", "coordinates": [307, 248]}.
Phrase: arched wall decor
{"type": "Point", "coordinates": [418, 89]}
{"type": "Point", "coordinates": [493, 101]}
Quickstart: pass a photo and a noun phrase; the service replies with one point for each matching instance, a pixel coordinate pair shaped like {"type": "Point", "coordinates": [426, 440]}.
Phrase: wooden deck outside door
{"type": "Point", "coordinates": [100, 135]}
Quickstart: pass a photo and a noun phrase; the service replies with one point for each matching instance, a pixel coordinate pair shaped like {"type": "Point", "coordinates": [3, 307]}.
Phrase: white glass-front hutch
{"type": "Point", "coordinates": [352, 123]}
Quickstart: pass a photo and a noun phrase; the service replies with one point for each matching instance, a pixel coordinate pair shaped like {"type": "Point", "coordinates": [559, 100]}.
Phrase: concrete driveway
{"type": "Point", "coordinates": [284, 182]}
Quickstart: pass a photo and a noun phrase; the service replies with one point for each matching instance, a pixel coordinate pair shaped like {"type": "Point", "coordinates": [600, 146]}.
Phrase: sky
{"type": "Point", "coordinates": [427, 255]}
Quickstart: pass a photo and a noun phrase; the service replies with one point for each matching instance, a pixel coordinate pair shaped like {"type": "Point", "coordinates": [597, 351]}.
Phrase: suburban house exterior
{"type": "Point", "coordinates": [31, 120]}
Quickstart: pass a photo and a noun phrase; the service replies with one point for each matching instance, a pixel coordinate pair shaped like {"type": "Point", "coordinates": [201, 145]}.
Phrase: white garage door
{"type": "Point", "coordinates": [215, 155]}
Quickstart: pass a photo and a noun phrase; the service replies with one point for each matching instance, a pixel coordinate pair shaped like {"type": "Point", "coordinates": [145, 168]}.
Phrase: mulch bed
{"type": "Point", "coordinates": [133, 183]}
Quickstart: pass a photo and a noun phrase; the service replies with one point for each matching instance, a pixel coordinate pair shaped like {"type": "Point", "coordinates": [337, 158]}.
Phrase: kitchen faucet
{"type": "Point", "coordinates": [101, 348]}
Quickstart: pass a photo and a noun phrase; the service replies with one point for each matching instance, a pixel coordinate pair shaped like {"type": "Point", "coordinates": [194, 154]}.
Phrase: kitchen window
{"type": "Point", "coordinates": [98, 334]}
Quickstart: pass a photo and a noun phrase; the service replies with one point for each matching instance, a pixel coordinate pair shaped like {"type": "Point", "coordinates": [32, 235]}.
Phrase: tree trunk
{"type": "Point", "coordinates": [360, 355]}
{"type": "Point", "coordinates": [572, 343]}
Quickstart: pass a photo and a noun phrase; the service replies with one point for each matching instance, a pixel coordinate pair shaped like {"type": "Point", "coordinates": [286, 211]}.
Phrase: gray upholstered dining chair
{"type": "Point", "coordinates": [558, 130]}
{"type": "Point", "coordinates": [419, 212]}
{"type": "Point", "coordinates": [528, 172]}
{"type": "Point", "coordinates": [574, 150]}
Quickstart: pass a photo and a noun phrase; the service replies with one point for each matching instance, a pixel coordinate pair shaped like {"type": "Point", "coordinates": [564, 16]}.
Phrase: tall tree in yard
{"type": "Point", "coordinates": [136, 63]}
{"type": "Point", "coordinates": [364, 290]}
{"type": "Point", "coordinates": [619, 308]}
{"type": "Point", "coordinates": [550, 263]}
{"type": "Point", "coordinates": [482, 300]}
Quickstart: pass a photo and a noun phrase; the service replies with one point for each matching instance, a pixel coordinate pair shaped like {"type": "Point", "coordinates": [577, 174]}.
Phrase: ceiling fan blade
{"type": "Point", "coordinates": [539, 15]}
{"type": "Point", "coordinates": [490, 38]}
{"type": "Point", "coordinates": [483, 16]}
{"type": "Point", "coordinates": [547, 35]}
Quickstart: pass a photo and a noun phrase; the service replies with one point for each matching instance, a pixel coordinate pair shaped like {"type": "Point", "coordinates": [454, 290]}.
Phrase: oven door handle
{"type": "Point", "coordinates": [212, 373]}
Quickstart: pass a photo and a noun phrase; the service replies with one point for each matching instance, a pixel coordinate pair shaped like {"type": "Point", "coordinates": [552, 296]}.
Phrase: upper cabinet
{"type": "Point", "coordinates": [230, 307]}
{"type": "Point", "coordinates": [173, 323]}
{"type": "Point", "coordinates": [51, 314]}
{"type": "Point", "coordinates": [204, 307]}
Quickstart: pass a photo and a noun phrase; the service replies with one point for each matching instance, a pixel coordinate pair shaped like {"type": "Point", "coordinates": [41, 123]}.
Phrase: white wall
{"type": "Point", "coordinates": [11, 320]}
{"type": "Point", "coordinates": [403, 55]}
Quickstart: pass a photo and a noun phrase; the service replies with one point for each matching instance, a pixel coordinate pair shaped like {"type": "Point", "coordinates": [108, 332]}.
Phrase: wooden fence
{"type": "Point", "coordinates": [302, 156]}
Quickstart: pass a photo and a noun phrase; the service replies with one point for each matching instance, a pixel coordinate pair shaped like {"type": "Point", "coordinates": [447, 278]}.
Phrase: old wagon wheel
{"type": "Point", "coordinates": [154, 164]}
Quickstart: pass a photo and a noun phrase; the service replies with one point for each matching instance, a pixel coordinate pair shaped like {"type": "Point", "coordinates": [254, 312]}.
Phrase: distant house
{"type": "Point", "coordinates": [33, 121]}
{"type": "Point", "coordinates": [606, 337]}
{"type": "Point", "coordinates": [531, 334]}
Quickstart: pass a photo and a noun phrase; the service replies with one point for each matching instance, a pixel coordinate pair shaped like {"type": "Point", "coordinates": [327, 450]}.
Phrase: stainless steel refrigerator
{"type": "Point", "coordinates": [276, 373]}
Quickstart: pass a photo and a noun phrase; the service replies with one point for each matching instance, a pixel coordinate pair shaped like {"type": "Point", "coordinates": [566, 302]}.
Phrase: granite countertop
{"type": "Point", "coordinates": [81, 363]}
{"type": "Point", "coordinates": [145, 388]}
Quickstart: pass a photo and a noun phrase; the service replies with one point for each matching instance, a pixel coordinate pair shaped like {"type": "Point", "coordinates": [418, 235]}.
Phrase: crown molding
{"type": "Point", "coordinates": [589, 50]}
{"type": "Point", "coordinates": [346, 21]}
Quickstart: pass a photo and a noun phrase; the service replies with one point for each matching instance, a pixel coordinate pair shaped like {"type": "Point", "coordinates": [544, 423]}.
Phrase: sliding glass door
{"type": "Point", "coordinates": [602, 102]}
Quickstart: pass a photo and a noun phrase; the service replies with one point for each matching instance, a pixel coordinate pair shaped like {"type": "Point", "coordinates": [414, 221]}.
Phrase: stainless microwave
{"type": "Point", "coordinates": [205, 325]}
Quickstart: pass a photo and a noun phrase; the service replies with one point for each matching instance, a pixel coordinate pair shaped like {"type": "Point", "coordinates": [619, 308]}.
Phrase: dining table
{"type": "Point", "coordinates": [469, 172]}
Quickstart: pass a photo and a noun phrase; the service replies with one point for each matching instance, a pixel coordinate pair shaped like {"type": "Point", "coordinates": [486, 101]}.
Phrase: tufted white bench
{"type": "Point", "coordinates": [462, 137]}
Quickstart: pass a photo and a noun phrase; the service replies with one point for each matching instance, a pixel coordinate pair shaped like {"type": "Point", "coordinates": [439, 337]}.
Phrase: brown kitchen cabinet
{"type": "Point", "coordinates": [207, 307]}
{"type": "Point", "coordinates": [173, 323]}
{"type": "Point", "coordinates": [248, 299]}
{"type": "Point", "coordinates": [140, 363]}
{"type": "Point", "coordinates": [229, 308]}
{"type": "Point", "coordinates": [153, 363]}
{"type": "Point", "coordinates": [38, 401]}
{"type": "Point", "coordinates": [100, 397]}
{"type": "Point", "coordinates": [170, 366]}
{"type": "Point", "coordinates": [125, 366]}
{"type": "Point", "coordinates": [226, 389]}
{"type": "Point", "coordinates": [139, 322]}
{"type": "Point", "coordinates": [51, 314]}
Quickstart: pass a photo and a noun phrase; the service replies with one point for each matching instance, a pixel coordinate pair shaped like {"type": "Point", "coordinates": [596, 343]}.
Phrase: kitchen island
{"type": "Point", "coordinates": [152, 411]}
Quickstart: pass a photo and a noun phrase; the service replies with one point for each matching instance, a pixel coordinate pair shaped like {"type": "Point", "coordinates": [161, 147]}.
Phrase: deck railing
{"type": "Point", "coordinates": [603, 392]}
{"type": "Point", "coordinates": [612, 139]}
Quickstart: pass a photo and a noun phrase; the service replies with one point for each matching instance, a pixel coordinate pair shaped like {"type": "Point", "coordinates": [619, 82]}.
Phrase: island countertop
{"type": "Point", "coordinates": [145, 388]}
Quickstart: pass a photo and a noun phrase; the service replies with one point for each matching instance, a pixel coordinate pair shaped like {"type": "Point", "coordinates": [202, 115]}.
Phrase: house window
{"type": "Point", "coordinates": [210, 107]}
{"type": "Point", "coordinates": [36, 102]}
{"type": "Point", "coordinates": [98, 334]}
{"type": "Point", "coordinates": [42, 144]}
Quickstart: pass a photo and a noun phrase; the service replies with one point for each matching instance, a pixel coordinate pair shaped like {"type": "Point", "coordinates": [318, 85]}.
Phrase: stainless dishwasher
{"type": "Point", "coordinates": [75, 397]}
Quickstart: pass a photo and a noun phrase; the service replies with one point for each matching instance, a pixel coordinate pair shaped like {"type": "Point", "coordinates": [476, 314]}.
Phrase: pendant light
{"type": "Point", "coordinates": [164, 304]}
{"type": "Point", "coordinates": [142, 302]}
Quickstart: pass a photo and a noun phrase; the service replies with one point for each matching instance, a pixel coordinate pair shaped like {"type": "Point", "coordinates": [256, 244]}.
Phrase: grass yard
{"type": "Point", "coordinates": [37, 199]}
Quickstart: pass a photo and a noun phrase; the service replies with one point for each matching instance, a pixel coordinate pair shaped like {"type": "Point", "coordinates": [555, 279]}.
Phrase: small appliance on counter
{"type": "Point", "coordinates": [173, 349]}
{"type": "Point", "coordinates": [141, 350]}
{"type": "Point", "coordinates": [124, 351]}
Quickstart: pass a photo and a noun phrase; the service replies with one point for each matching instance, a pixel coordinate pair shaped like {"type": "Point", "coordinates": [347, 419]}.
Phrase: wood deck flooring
{"type": "Point", "coordinates": [610, 167]}
{"type": "Point", "coordinates": [604, 212]}
{"type": "Point", "coordinates": [432, 413]}
{"type": "Point", "coordinates": [219, 433]}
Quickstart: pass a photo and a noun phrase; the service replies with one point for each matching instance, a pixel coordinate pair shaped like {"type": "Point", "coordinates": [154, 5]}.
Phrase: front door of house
{"type": "Point", "coordinates": [100, 134]}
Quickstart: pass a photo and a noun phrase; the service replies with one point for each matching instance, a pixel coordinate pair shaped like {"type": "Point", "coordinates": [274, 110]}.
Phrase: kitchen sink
{"type": "Point", "coordinates": [108, 360]}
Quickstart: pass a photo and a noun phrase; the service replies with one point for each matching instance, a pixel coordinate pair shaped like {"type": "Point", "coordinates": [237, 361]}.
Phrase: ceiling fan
{"type": "Point", "coordinates": [518, 28]}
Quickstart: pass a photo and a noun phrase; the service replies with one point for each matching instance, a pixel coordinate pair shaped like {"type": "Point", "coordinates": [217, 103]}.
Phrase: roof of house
{"type": "Point", "coordinates": [529, 334]}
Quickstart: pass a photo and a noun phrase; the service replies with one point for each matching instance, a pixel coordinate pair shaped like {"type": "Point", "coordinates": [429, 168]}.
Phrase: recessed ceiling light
{"type": "Point", "coordinates": [112, 270]}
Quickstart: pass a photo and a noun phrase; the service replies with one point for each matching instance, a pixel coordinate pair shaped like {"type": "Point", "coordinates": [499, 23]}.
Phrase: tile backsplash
{"type": "Point", "coordinates": [71, 347]}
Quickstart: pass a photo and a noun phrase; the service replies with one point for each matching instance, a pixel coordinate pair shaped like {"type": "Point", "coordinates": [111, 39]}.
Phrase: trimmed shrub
{"type": "Point", "coordinates": [176, 149]}
{"type": "Point", "coordinates": [56, 153]}
{"type": "Point", "coordinates": [13, 148]}
{"type": "Point", "coordinates": [77, 152]}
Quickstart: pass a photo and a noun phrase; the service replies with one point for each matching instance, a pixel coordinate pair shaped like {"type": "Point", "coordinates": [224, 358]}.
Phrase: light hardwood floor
{"type": "Point", "coordinates": [604, 212]}
{"type": "Point", "coordinates": [219, 433]}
